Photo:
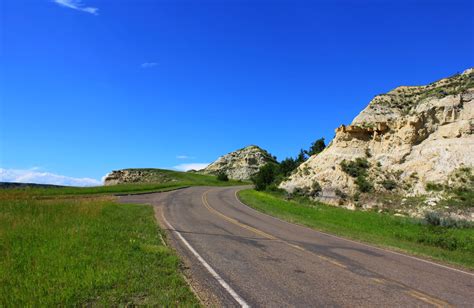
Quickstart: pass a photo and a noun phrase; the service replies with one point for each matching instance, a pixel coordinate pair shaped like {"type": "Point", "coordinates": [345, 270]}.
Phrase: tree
{"type": "Point", "coordinates": [222, 176]}
{"type": "Point", "coordinates": [265, 176]}
{"type": "Point", "coordinates": [287, 166]}
{"type": "Point", "coordinates": [301, 158]}
{"type": "Point", "coordinates": [316, 147]}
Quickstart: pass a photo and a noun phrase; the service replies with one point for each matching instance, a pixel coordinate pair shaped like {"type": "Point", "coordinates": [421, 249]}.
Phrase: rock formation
{"type": "Point", "coordinates": [241, 164]}
{"type": "Point", "coordinates": [130, 176]}
{"type": "Point", "coordinates": [411, 136]}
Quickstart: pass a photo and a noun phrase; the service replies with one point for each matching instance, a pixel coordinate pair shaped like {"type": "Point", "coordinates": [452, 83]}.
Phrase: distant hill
{"type": "Point", "coordinates": [153, 175]}
{"type": "Point", "coordinates": [240, 164]}
{"type": "Point", "coordinates": [24, 185]}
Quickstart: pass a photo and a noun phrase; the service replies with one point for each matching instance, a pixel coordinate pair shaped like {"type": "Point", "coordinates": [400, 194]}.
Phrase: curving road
{"type": "Point", "coordinates": [236, 256]}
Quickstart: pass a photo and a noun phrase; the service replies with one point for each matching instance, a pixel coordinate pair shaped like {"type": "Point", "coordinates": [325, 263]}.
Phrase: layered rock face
{"type": "Point", "coordinates": [129, 176]}
{"type": "Point", "coordinates": [241, 164]}
{"type": "Point", "coordinates": [410, 136]}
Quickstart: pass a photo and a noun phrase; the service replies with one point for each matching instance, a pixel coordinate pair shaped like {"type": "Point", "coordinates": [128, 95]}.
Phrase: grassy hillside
{"type": "Point", "coordinates": [159, 180]}
{"type": "Point", "coordinates": [76, 246]}
{"type": "Point", "coordinates": [453, 245]}
{"type": "Point", "coordinates": [154, 175]}
{"type": "Point", "coordinates": [85, 250]}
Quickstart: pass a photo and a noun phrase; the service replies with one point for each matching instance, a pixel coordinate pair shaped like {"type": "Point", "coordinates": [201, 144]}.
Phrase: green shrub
{"type": "Point", "coordinates": [438, 237]}
{"type": "Point", "coordinates": [315, 189]}
{"type": "Point", "coordinates": [307, 191]}
{"type": "Point", "coordinates": [356, 196]}
{"type": "Point", "coordinates": [389, 184]}
{"type": "Point", "coordinates": [301, 191]}
{"type": "Point", "coordinates": [433, 218]}
{"type": "Point", "coordinates": [430, 186]}
{"type": "Point", "coordinates": [363, 184]}
{"type": "Point", "coordinates": [449, 222]}
{"type": "Point", "coordinates": [274, 187]}
{"type": "Point", "coordinates": [355, 168]}
{"type": "Point", "coordinates": [265, 176]}
{"type": "Point", "coordinates": [367, 153]}
{"type": "Point", "coordinates": [460, 198]}
{"type": "Point", "coordinates": [222, 176]}
{"type": "Point", "coordinates": [339, 193]}
{"type": "Point", "coordinates": [306, 171]}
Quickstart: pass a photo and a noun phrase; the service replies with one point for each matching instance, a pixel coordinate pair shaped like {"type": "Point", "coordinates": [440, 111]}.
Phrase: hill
{"type": "Point", "coordinates": [27, 185]}
{"type": "Point", "coordinates": [408, 142]}
{"type": "Point", "coordinates": [161, 176]}
{"type": "Point", "coordinates": [241, 164]}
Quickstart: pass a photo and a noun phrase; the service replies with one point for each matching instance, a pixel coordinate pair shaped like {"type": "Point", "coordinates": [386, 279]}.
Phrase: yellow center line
{"type": "Point", "coordinates": [264, 234]}
{"type": "Point", "coordinates": [427, 299]}
{"type": "Point", "coordinates": [414, 293]}
{"type": "Point", "coordinates": [378, 280]}
{"type": "Point", "coordinates": [235, 222]}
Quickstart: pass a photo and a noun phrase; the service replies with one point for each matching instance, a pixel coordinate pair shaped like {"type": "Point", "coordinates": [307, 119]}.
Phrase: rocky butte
{"type": "Point", "coordinates": [240, 164]}
{"type": "Point", "coordinates": [402, 142]}
{"type": "Point", "coordinates": [138, 175]}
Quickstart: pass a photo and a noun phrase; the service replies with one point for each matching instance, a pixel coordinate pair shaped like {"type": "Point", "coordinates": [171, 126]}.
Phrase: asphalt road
{"type": "Point", "coordinates": [236, 256]}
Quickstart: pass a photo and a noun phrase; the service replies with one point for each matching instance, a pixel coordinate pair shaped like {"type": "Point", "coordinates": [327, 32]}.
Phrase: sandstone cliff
{"type": "Point", "coordinates": [241, 164]}
{"type": "Point", "coordinates": [409, 137]}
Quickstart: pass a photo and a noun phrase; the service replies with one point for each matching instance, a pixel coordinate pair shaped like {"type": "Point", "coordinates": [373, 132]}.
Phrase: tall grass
{"type": "Point", "coordinates": [74, 246]}
{"type": "Point", "coordinates": [85, 251]}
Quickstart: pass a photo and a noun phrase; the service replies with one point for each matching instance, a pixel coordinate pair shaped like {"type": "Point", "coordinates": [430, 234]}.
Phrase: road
{"type": "Point", "coordinates": [236, 256]}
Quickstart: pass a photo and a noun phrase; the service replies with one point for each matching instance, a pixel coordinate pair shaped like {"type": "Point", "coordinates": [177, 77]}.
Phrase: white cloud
{"type": "Point", "coordinates": [184, 157]}
{"type": "Point", "coordinates": [77, 5]}
{"type": "Point", "coordinates": [102, 179]}
{"type": "Point", "coordinates": [34, 176]}
{"type": "Point", "coordinates": [148, 64]}
{"type": "Point", "coordinates": [193, 166]}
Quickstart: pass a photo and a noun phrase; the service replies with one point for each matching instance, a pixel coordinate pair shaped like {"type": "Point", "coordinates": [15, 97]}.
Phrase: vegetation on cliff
{"type": "Point", "coordinates": [273, 173]}
{"type": "Point", "coordinates": [135, 179]}
{"type": "Point", "coordinates": [241, 164]}
{"type": "Point", "coordinates": [402, 145]}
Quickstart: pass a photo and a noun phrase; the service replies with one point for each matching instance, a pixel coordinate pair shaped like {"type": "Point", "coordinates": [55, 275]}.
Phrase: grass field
{"type": "Point", "coordinates": [166, 180]}
{"type": "Point", "coordinates": [77, 246]}
{"type": "Point", "coordinates": [450, 245]}
{"type": "Point", "coordinates": [85, 251]}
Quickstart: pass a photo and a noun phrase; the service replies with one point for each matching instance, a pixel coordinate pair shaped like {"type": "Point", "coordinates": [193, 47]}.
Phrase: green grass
{"type": "Point", "coordinates": [97, 190]}
{"type": "Point", "coordinates": [191, 178]}
{"type": "Point", "coordinates": [73, 246]}
{"type": "Point", "coordinates": [450, 245]}
{"type": "Point", "coordinates": [85, 251]}
{"type": "Point", "coordinates": [161, 180]}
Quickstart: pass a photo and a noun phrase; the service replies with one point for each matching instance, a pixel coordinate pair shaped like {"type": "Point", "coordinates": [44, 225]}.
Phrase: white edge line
{"type": "Point", "coordinates": [348, 240]}
{"type": "Point", "coordinates": [214, 274]}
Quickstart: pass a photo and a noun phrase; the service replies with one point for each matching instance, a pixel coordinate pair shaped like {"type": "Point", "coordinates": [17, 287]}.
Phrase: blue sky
{"type": "Point", "coordinates": [91, 86]}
